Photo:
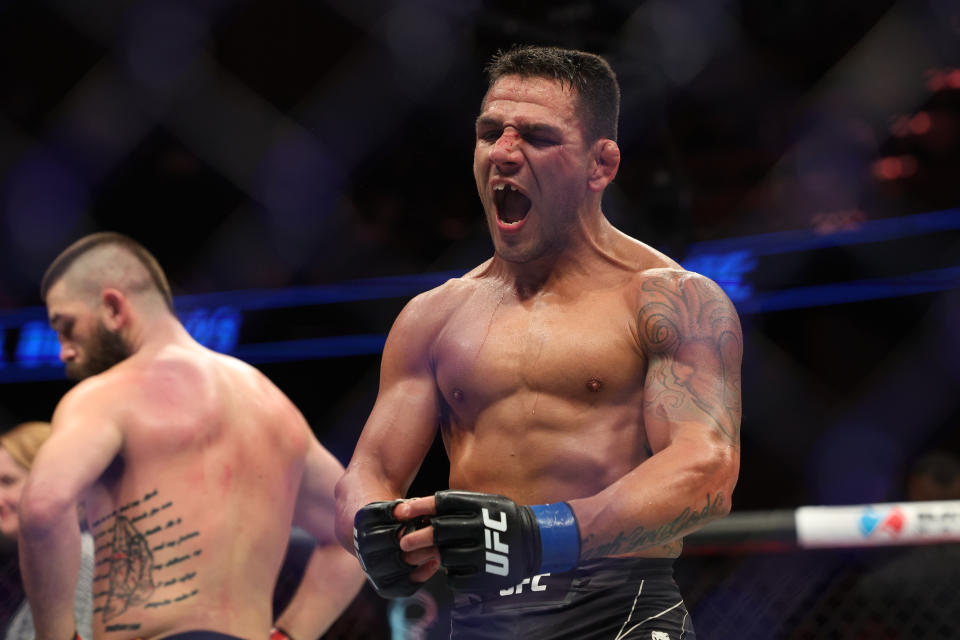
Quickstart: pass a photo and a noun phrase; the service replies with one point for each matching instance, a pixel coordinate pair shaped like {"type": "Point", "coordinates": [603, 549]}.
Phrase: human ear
{"type": "Point", "coordinates": [113, 309]}
{"type": "Point", "coordinates": [606, 162]}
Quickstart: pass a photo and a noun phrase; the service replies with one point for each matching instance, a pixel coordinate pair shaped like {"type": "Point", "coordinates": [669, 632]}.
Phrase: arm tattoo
{"type": "Point", "coordinates": [693, 336]}
{"type": "Point", "coordinates": [641, 538]}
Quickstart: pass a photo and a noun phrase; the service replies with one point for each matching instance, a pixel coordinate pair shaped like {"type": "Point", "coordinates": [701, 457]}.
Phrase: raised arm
{"type": "Point", "coordinates": [85, 439]}
{"type": "Point", "coordinates": [691, 336]}
{"type": "Point", "coordinates": [332, 576]}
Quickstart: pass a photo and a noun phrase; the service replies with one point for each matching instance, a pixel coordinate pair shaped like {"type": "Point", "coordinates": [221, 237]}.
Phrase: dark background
{"type": "Point", "coordinates": [271, 144]}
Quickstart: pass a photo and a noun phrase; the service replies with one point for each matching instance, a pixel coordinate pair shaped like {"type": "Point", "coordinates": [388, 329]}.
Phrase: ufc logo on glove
{"type": "Point", "coordinates": [488, 541]}
{"type": "Point", "coordinates": [498, 562]}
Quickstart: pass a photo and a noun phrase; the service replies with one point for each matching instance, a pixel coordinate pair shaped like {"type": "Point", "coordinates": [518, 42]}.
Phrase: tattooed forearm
{"type": "Point", "coordinates": [693, 338]}
{"type": "Point", "coordinates": [642, 538]}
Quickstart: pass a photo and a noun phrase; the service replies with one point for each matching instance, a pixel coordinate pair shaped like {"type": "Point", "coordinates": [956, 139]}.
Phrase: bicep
{"type": "Point", "coordinates": [399, 431]}
{"type": "Point", "coordinates": [84, 441]}
{"type": "Point", "coordinates": [693, 341]}
{"type": "Point", "coordinates": [404, 419]}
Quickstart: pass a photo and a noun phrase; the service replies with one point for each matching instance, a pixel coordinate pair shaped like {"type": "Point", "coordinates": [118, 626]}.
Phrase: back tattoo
{"type": "Point", "coordinates": [144, 555]}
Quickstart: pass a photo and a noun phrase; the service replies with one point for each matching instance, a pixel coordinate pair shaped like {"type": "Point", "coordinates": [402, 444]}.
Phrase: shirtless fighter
{"type": "Point", "coordinates": [192, 466]}
{"type": "Point", "coordinates": [587, 389]}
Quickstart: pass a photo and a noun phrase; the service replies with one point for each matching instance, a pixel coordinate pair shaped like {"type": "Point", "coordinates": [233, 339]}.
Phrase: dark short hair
{"type": "Point", "coordinates": [62, 262]}
{"type": "Point", "coordinates": [589, 75]}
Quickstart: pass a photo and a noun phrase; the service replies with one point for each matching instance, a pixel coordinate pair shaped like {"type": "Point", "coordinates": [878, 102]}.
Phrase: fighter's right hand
{"type": "Point", "coordinates": [376, 539]}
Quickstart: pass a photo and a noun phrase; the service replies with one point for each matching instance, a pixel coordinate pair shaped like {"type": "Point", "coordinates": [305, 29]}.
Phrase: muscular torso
{"type": "Point", "coordinates": [541, 399]}
{"type": "Point", "coordinates": [192, 518]}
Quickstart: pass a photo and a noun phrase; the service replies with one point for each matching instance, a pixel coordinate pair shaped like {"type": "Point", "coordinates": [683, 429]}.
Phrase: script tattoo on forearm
{"type": "Point", "coordinates": [134, 568]}
{"type": "Point", "coordinates": [643, 538]}
{"type": "Point", "coordinates": [696, 346]}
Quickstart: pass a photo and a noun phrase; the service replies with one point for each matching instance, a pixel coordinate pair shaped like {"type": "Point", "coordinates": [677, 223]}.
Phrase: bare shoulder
{"type": "Point", "coordinates": [431, 309]}
{"type": "Point", "coordinates": [642, 254]}
{"type": "Point", "coordinates": [414, 335]}
{"type": "Point", "coordinates": [678, 279]}
{"type": "Point", "coordinates": [95, 395]}
{"type": "Point", "coordinates": [188, 382]}
{"type": "Point", "coordinates": [247, 380]}
{"type": "Point", "coordinates": [673, 302]}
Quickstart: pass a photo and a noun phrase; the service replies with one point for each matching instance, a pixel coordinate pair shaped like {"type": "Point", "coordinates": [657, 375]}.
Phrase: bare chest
{"type": "Point", "coordinates": [582, 353]}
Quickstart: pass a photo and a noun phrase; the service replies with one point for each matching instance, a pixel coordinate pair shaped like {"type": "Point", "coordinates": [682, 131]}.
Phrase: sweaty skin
{"type": "Point", "coordinates": [192, 466]}
{"type": "Point", "coordinates": [576, 365]}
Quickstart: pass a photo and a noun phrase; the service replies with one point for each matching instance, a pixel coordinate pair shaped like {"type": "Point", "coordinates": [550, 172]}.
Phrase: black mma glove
{"type": "Point", "coordinates": [488, 541]}
{"type": "Point", "coordinates": [376, 539]}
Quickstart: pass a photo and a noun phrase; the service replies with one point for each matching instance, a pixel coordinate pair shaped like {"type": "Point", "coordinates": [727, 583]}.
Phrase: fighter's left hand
{"type": "Point", "coordinates": [417, 543]}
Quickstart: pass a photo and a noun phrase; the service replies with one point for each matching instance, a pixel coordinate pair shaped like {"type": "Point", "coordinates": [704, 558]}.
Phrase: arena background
{"type": "Point", "coordinates": [301, 169]}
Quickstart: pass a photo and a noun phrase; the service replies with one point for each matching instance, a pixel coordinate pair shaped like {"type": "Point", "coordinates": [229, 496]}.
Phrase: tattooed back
{"type": "Point", "coordinates": [192, 518]}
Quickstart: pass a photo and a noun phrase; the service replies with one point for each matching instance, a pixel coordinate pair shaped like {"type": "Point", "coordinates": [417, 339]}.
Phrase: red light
{"type": "Point", "coordinates": [953, 79]}
{"type": "Point", "coordinates": [920, 123]}
{"type": "Point", "coordinates": [936, 81]}
{"type": "Point", "coordinates": [889, 168]}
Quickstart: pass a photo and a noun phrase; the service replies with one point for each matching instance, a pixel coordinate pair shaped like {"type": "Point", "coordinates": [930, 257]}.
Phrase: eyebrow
{"type": "Point", "coordinates": [489, 121]}
{"type": "Point", "coordinates": [57, 319]}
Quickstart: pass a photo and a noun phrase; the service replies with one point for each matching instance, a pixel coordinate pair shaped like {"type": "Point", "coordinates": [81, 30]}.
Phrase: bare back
{"type": "Point", "coordinates": [191, 519]}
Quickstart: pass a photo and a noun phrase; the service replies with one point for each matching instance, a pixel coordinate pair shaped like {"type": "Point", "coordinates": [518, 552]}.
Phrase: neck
{"type": "Point", "coordinates": [156, 331]}
{"type": "Point", "coordinates": [592, 243]}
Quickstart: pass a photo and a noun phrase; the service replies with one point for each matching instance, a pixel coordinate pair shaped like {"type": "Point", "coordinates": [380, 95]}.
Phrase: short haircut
{"type": "Point", "coordinates": [84, 245]}
{"type": "Point", "coordinates": [589, 75]}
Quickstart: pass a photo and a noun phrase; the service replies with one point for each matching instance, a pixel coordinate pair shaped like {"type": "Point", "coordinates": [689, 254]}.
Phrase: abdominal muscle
{"type": "Point", "coordinates": [560, 452]}
{"type": "Point", "coordinates": [538, 461]}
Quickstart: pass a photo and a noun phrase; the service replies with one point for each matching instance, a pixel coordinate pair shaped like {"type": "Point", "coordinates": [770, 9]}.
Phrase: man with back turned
{"type": "Point", "coordinates": [191, 465]}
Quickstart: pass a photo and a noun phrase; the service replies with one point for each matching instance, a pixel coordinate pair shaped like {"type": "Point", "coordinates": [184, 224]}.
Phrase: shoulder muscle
{"type": "Point", "coordinates": [674, 306]}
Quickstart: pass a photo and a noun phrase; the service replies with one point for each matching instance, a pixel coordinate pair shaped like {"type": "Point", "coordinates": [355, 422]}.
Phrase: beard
{"type": "Point", "coordinates": [106, 350]}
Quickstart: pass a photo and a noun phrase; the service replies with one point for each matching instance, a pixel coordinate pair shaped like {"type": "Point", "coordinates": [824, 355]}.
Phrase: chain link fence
{"type": "Point", "coordinates": [902, 593]}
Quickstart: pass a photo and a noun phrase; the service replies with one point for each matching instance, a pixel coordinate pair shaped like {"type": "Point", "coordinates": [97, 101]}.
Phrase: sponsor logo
{"type": "Point", "coordinates": [534, 583]}
{"type": "Point", "coordinates": [938, 522]}
{"type": "Point", "coordinates": [498, 563]}
{"type": "Point", "coordinates": [888, 522]}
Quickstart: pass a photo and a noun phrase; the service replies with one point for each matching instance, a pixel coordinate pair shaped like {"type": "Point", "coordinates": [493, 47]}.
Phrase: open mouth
{"type": "Point", "coordinates": [512, 206]}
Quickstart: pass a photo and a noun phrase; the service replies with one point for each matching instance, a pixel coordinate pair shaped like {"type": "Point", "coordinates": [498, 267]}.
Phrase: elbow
{"type": "Point", "coordinates": [41, 512]}
{"type": "Point", "coordinates": [718, 477]}
{"type": "Point", "coordinates": [726, 471]}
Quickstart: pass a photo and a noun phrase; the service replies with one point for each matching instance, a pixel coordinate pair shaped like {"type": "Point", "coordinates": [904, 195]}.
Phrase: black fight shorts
{"type": "Point", "coordinates": [605, 599]}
